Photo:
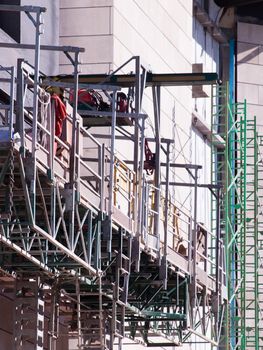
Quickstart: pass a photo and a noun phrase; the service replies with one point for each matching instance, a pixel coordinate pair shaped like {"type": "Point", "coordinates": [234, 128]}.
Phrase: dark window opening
{"type": "Point", "coordinates": [205, 4]}
{"type": "Point", "coordinates": [251, 11]}
{"type": "Point", "coordinates": [10, 21]}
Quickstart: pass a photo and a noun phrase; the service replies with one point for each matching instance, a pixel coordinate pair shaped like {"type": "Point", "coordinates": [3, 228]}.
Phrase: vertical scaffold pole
{"type": "Point", "coordinates": [72, 175]}
{"type": "Point", "coordinates": [112, 161]}
{"type": "Point", "coordinates": [157, 175]}
{"type": "Point", "coordinates": [37, 23]}
{"type": "Point", "coordinates": [166, 215]}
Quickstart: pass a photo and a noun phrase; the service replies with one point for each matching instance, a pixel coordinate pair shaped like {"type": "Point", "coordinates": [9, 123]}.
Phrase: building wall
{"type": "Point", "coordinates": [88, 24]}
{"type": "Point", "coordinates": [48, 60]}
{"type": "Point", "coordinates": [50, 35]}
{"type": "Point", "coordinates": [250, 67]}
{"type": "Point", "coordinates": [250, 88]}
{"type": "Point", "coordinates": [206, 52]}
{"type": "Point", "coordinates": [160, 32]}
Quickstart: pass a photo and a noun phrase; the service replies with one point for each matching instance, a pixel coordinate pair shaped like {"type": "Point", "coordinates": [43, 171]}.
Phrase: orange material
{"type": "Point", "coordinates": [60, 112]}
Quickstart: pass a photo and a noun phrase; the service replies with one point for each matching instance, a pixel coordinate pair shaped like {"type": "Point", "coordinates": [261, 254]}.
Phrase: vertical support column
{"type": "Point", "coordinates": [140, 191]}
{"type": "Point", "coordinates": [73, 153]}
{"type": "Point", "coordinates": [136, 242]}
{"type": "Point", "coordinates": [218, 293]}
{"type": "Point", "coordinates": [20, 127]}
{"type": "Point", "coordinates": [165, 252]}
{"type": "Point", "coordinates": [40, 321]}
{"type": "Point", "coordinates": [35, 111]}
{"type": "Point", "coordinates": [89, 236]}
{"type": "Point", "coordinates": [97, 255]}
{"type": "Point", "coordinates": [112, 160]}
{"type": "Point", "coordinates": [193, 290]}
{"type": "Point", "coordinates": [51, 171]}
{"type": "Point", "coordinates": [11, 110]}
{"type": "Point", "coordinates": [101, 317]}
{"type": "Point", "coordinates": [231, 341]}
{"type": "Point", "coordinates": [102, 176]}
{"type": "Point", "coordinates": [157, 174]}
{"type": "Point", "coordinates": [54, 316]}
{"type": "Point", "coordinates": [78, 152]}
{"type": "Point", "coordinates": [137, 111]}
{"type": "Point", "coordinates": [80, 336]}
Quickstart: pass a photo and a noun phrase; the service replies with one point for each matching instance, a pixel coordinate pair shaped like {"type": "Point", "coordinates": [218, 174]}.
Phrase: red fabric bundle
{"type": "Point", "coordinates": [61, 113]}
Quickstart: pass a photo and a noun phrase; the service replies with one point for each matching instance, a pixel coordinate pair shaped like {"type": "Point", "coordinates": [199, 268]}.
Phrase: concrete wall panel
{"type": "Point", "coordinates": [95, 46]}
{"type": "Point", "coordinates": [49, 59]}
{"type": "Point", "coordinates": [90, 27]}
{"type": "Point", "coordinates": [247, 53]}
{"type": "Point", "coordinates": [159, 44]}
{"type": "Point", "coordinates": [84, 3]}
{"type": "Point", "coordinates": [98, 68]}
{"type": "Point", "coordinates": [181, 13]}
{"type": "Point", "coordinates": [250, 33]}
{"type": "Point", "coordinates": [250, 73]}
{"type": "Point", "coordinates": [250, 69]}
{"type": "Point", "coordinates": [85, 21]}
{"type": "Point", "coordinates": [250, 92]}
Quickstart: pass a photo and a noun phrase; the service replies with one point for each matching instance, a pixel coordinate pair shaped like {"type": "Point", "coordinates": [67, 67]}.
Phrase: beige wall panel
{"type": "Point", "coordinates": [85, 3]}
{"type": "Point", "coordinates": [260, 95]}
{"type": "Point", "coordinates": [49, 60]}
{"type": "Point", "coordinates": [167, 23]}
{"type": "Point", "coordinates": [249, 92]}
{"type": "Point", "coordinates": [9, 56]}
{"type": "Point", "coordinates": [85, 21]}
{"type": "Point", "coordinates": [98, 68]}
{"type": "Point", "coordinates": [95, 47]}
{"type": "Point", "coordinates": [181, 13]}
{"type": "Point", "coordinates": [255, 110]}
{"type": "Point", "coordinates": [250, 73]}
{"type": "Point", "coordinates": [260, 58]}
{"type": "Point", "coordinates": [152, 44]}
{"type": "Point", "coordinates": [92, 30]}
{"type": "Point", "coordinates": [248, 53]}
{"type": "Point", "coordinates": [250, 69]}
{"type": "Point", "coordinates": [250, 33]}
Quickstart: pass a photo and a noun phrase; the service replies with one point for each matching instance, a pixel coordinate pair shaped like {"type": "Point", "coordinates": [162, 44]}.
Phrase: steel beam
{"type": "Point", "coordinates": [72, 49]}
{"type": "Point", "coordinates": [129, 80]}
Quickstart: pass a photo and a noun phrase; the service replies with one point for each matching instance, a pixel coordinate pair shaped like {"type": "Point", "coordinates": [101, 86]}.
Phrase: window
{"type": "Point", "coordinates": [10, 21]}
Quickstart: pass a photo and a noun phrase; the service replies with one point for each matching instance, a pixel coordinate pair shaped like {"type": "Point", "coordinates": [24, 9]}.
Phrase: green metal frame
{"type": "Point", "coordinates": [259, 257]}
{"type": "Point", "coordinates": [236, 169]}
{"type": "Point", "coordinates": [252, 309]}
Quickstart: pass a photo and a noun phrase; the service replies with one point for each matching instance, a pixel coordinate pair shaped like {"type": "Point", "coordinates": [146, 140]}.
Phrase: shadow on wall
{"type": "Point", "coordinates": [252, 53]}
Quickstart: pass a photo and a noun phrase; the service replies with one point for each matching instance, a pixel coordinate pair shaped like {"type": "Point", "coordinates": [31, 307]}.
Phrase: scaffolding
{"type": "Point", "coordinates": [237, 164]}
{"type": "Point", "coordinates": [230, 170]}
{"type": "Point", "coordinates": [258, 263]}
{"type": "Point", "coordinates": [90, 245]}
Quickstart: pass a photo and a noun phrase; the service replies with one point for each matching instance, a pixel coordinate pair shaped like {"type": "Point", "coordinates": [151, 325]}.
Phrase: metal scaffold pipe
{"type": "Point", "coordinates": [112, 163]}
